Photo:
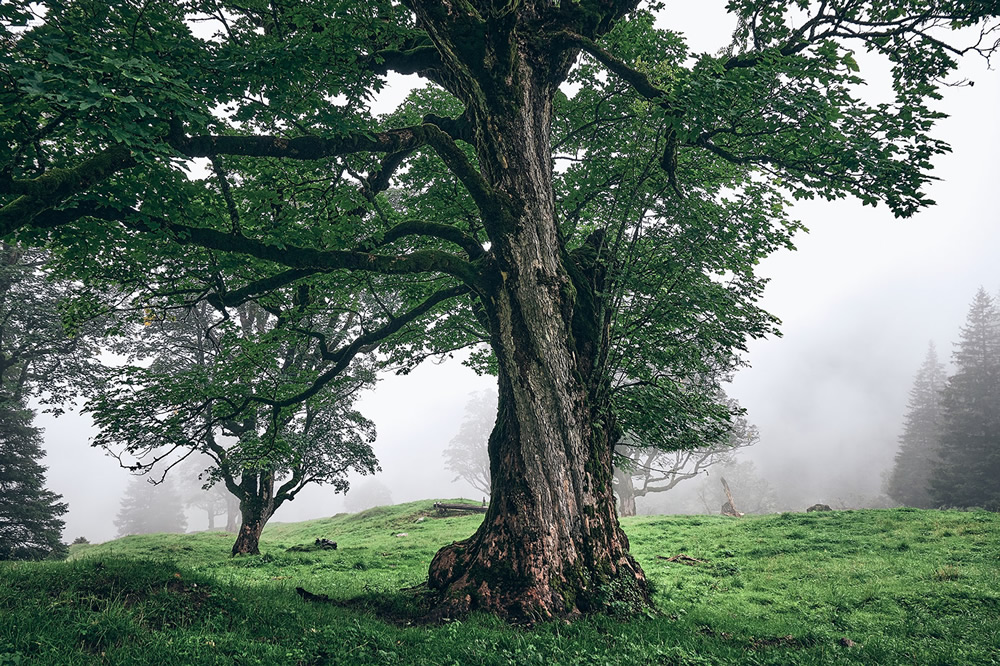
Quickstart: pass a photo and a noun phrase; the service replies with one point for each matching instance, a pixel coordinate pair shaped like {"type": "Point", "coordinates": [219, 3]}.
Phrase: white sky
{"type": "Point", "coordinates": [859, 301]}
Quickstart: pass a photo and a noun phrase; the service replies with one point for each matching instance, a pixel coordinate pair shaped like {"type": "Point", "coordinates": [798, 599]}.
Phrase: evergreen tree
{"type": "Point", "coordinates": [150, 509]}
{"type": "Point", "coordinates": [30, 527]}
{"type": "Point", "coordinates": [969, 473]}
{"type": "Point", "coordinates": [918, 444]}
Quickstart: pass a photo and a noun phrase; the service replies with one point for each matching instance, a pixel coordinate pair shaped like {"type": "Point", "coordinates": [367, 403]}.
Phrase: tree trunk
{"type": "Point", "coordinates": [626, 493]}
{"type": "Point", "coordinates": [256, 507]}
{"type": "Point", "coordinates": [550, 544]}
{"type": "Point", "coordinates": [233, 517]}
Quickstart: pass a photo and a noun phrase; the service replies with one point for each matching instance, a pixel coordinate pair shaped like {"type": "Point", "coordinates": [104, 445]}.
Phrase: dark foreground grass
{"type": "Point", "coordinates": [853, 587]}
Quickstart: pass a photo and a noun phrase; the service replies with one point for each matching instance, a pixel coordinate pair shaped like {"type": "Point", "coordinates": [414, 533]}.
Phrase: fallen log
{"type": "Point", "coordinates": [471, 508]}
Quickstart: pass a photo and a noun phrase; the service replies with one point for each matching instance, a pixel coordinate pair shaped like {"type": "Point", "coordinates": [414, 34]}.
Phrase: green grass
{"type": "Point", "coordinates": [851, 587]}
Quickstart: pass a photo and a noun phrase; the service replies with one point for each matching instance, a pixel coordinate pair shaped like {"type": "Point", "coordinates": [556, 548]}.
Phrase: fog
{"type": "Point", "coordinates": [859, 300]}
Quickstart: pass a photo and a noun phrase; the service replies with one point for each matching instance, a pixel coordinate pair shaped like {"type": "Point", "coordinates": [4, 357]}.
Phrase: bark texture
{"type": "Point", "coordinates": [257, 505]}
{"type": "Point", "coordinates": [550, 544]}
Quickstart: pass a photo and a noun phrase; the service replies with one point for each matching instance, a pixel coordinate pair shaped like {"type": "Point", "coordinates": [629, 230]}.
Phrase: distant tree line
{"type": "Point", "coordinates": [949, 450]}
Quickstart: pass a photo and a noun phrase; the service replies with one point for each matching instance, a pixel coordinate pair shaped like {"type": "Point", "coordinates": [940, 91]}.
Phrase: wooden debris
{"type": "Point", "coordinates": [319, 544]}
{"type": "Point", "coordinates": [729, 508]}
{"type": "Point", "coordinates": [471, 508]}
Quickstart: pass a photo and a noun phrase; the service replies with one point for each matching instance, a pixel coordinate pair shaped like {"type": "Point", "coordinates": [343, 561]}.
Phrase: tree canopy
{"type": "Point", "coordinates": [606, 289]}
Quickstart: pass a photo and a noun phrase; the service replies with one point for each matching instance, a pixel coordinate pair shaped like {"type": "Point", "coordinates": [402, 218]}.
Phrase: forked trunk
{"type": "Point", "coordinates": [550, 544]}
{"type": "Point", "coordinates": [248, 537]}
{"type": "Point", "coordinates": [256, 508]}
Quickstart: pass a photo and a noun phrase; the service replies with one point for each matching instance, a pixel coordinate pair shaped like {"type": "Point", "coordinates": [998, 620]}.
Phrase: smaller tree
{"type": "Point", "coordinates": [30, 523]}
{"type": "Point", "coordinates": [149, 508]}
{"type": "Point", "coordinates": [909, 481]}
{"type": "Point", "coordinates": [467, 454]}
{"type": "Point", "coordinates": [640, 471]}
{"type": "Point", "coordinates": [198, 490]}
{"type": "Point", "coordinates": [202, 394]}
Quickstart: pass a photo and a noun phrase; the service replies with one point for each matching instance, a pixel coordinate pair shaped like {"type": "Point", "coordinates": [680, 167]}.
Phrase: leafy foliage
{"type": "Point", "coordinates": [189, 392]}
{"type": "Point", "coordinates": [445, 225]}
{"type": "Point", "coordinates": [39, 355]}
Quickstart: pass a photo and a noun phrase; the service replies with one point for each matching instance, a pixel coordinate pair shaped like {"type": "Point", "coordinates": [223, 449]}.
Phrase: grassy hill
{"type": "Point", "coordinates": [848, 587]}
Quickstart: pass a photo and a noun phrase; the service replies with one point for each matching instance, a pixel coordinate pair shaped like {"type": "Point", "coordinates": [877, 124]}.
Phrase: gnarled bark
{"type": "Point", "coordinates": [257, 505]}
{"type": "Point", "coordinates": [550, 544]}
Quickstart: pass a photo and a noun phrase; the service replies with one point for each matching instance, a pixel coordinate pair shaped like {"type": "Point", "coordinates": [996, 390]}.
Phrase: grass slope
{"type": "Point", "coordinates": [854, 587]}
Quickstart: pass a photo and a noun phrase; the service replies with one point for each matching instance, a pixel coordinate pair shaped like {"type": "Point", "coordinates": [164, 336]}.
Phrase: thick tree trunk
{"type": "Point", "coordinates": [626, 493]}
{"type": "Point", "coordinates": [550, 544]}
{"type": "Point", "coordinates": [256, 507]}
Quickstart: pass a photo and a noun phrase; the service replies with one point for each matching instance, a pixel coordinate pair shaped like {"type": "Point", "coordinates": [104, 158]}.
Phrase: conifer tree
{"type": "Point", "coordinates": [150, 509]}
{"type": "Point", "coordinates": [30, 527]}
{"type": "Point", "coordinates": [969, 473]}
{"type": "Point", "coordinates": [918, 444]}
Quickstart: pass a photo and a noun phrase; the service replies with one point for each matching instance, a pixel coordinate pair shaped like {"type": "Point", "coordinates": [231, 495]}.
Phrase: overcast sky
{"type": "Point", "coordinates": [860, 299]}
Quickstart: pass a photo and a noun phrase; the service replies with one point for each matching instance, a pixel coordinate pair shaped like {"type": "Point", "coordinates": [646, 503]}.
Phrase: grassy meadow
{"type": "Point", "coordinates": [846, 587]}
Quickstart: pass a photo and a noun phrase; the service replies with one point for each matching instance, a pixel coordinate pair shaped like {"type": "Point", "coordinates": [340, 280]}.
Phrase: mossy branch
{"type": "Point", "coordinates": [55, 185]}
{"type": "Point", "coordinates": [302, 147]}
{"type": "Point", "coordinates": [310, 260]}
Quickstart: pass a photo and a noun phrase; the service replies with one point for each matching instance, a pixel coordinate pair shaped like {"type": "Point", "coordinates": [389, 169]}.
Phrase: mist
{"type": "Point", "coordinates": [859, 301]}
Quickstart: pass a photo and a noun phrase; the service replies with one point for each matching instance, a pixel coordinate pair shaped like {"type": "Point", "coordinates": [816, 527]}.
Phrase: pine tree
{"type": "Point", "coordinates": [150, 509]}
{"type": "Point", "coordinates": [969, 473]}
{"type": "Point", "coordinates": [30, 527]}
{"type": "Point", "coordinates": [918, 444]}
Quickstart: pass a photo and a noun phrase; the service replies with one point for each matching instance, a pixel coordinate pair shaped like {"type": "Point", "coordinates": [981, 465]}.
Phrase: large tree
{"type": "Point", "coordinates": [39, 358]}
{"type": "Point", "coordinates": [917, 458]}
{"type": "Point", "coordinates": [969, 452]}
{"type": "Point", "coordinates": [594, 320]}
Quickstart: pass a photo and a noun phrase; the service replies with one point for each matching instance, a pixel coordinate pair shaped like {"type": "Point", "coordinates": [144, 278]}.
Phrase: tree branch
{"type": "Point", "coordinates": [343, 356]}
{"type": "Point", "coordinates": [55, 185]}
{"type": "Point", "coordinates": [302, 147]}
